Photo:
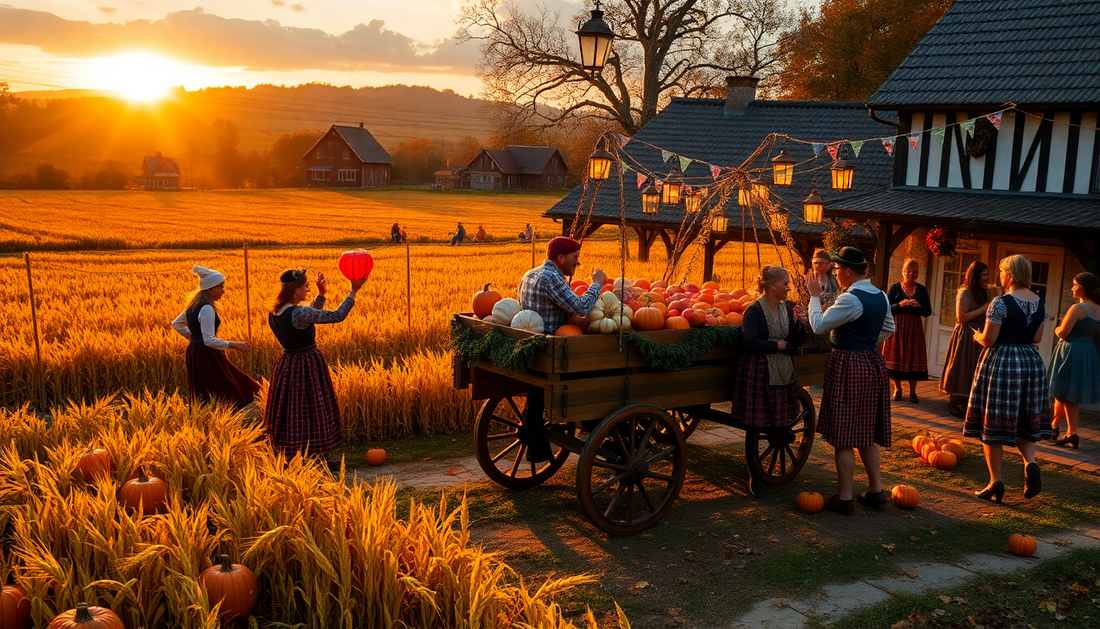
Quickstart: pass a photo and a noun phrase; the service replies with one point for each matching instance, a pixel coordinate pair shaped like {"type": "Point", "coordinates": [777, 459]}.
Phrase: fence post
{"type": "Point", "coordinates": [532, 251]}
{"type": "Point", "coordinates": [37, 345]}
{"type": "Point", "coordinates": [408, 284]}
{"type": "Point", "coordinates": [248, 314]}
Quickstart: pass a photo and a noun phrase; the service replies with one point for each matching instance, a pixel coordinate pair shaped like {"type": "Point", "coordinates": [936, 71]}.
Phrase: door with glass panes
{"type": "Point", "coordinates": [1046, 281]}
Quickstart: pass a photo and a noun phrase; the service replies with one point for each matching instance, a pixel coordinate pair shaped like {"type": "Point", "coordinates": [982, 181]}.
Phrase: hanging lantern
{"type": "Point", "coordinates": [692, 202]}
{"type": "Point", "coordinates": [720, 224]}
{"type": "Point", "coordinates": [813, 209]}
{"type": "Point", "coordinates": [783, 168]}
{"type": "Point", "coordinates": [599, 165]}
{"type": "Point", "coordinates": [843, 172]}
{"type": "Point", "coordinates": [595, 41]}
{"type": "Point", "coordinates": [743, 195]}
{"type": "Point", "coordinates": [670, 191]}
{"type": "Point", "coordinates": [651, 198]}
{"type": "Point", "coordinates": [760, 189]}
{"type": "Point", "coordinates": [777, 220]}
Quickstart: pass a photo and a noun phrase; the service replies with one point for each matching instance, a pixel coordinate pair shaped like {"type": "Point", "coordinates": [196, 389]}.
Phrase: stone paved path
{"type": "Point", "coordinates": [837, 601]}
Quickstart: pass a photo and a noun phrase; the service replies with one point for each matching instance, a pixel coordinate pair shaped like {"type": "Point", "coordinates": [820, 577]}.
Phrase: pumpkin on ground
{"type": "Point", "coordinates": [94, 463]}
{"type": "Point", "coordinates": [648, 318]}
{"type": "Point", "coordinates": [1022, 545]}
{"type": "Point", "coordinates": [504, 310]}
{"type": "Point", "coordinates": [148, 492]}
{"type": "Point", "coordinates": [233, 585]}
{"type": "Point", "coordinates": [568, 330]}
{"type": "Point", "coordinates": [86, 617]}
{"type": "Point", "coordinates": [943, 460]}
{"type": "Point", "coordinates": [15, 608]}
{"type": "Point", "coordinates": [905, 496]}
{"type": "Point", "coordinates": [927, 450]}
{"type": "Point", "coordinates": [356, 264]}
{"type": "Point", "coordinates": [810, 502]}
{"type": "Point", "coordinates": [529, 320]}
{"type": "Point", "coordinates": [376, 456]}
{"type": "Point", "coordinates": [484, 300]}
{"type": "Point", "coordinates": [919, 441]}
{"type": "Point", "coordinates": [956, 449]}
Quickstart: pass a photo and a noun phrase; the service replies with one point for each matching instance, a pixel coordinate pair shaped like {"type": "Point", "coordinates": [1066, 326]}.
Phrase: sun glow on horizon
{"type": "Point", "coordinates": [139, 76]}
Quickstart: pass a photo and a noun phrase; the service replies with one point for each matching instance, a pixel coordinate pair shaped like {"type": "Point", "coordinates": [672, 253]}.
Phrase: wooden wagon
{"type": "Point", "coordinates": [633, 458]}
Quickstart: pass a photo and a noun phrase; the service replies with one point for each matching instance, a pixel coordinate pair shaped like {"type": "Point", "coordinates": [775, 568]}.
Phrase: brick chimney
{"type": "Point", "coordinates": [740, 91]}
{"type": "Point", "coordinates": [360, 125]}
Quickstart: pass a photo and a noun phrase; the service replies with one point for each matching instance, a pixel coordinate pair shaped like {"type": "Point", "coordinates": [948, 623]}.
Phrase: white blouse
{"type": "Point", "coordinates": [206, 324]}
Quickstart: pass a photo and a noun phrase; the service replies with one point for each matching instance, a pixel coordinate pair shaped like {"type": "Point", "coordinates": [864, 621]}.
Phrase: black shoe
{"type": "Point", "coordinates": [1072, 441]}
{"type": "Point", "coordinates": [333, 465]}
{"type": "Point", "coordinates": [956, 410]}
{"type": "Point", "coordinates": [994, 492]}
{"type": "Point", "coordinates": [897, 395]}
{"type": "Point", "coordinates": [1054, 432]}
{"type": "Point", "coordinates": [1033, 480]}
{"type": "Point", "coordinates": [843, 507]}
{"type": "Point", "coordinates": [913, 398]}
{"type": "Point", "coordinates": [876, 500]}
{"type": "Point", "coordinates": [756, 488]}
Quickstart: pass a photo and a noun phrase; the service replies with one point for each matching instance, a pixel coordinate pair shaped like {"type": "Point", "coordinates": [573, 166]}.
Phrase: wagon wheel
{"type": "Point", "coordinates": [500, 448]}
{"type": "Point", "coordinates": [778, 455]}
{"type": "Point", "coordinates": [688, 422]}
{"type": "Point", "coordinates": [631, 469]}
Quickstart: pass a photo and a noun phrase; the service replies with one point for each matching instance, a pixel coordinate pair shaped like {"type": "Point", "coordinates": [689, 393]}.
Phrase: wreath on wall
{"type": "Point", "coordinates": [941, 242]}
{"type": "Point", "coordinates": [978, 144]}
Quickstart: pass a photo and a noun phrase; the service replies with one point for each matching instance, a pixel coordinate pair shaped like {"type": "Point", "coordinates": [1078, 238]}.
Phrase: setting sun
{"type": "Point", "coordinates": [137, 76]}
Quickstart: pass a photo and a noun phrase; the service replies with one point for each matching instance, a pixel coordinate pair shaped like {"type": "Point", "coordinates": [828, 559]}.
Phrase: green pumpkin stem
{"type": "Point", "coordinates": [82, 613]}
{"type": "Point", "coordinates": [227, 564]}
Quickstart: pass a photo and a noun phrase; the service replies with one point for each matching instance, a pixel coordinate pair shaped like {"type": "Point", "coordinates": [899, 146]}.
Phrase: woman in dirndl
{"type": "Point", "coordinates": [1074, 370]}
{"type": "Point", "coordinates": [1010, 400]}
{"type": "Point", "coordinates": [764, 391]}
{"type": "Point", "coordinates": [855, 400]}
{"type": "Point", "coordinates": [210, 375]}
{"type": "Point", "coordinates": [961, 360]}
{"type": "Point", "coordinates": [302, 414]}
{"type": "Point", "coordinates": [906, 355]}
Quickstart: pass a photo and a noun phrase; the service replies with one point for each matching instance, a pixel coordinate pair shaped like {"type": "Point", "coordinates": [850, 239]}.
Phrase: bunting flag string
{"type": "Point", "coordinates": [857, 146]}
{"type": "Point", "coordinates": [913, 137]}
{"type": "Point", "coordinates": [995, 118]}
{"type": "Point", "coordinates": [715, 171]}
{"type": "Point", "coordinates": [938, 133]}
{"type": "Point", "coordinates": [888, 144]}
{"type": "Point", "coordinates": [641, 180]}
{"type": "Point", "coordinates": [665, 156]}
{"type": "Point", "coordinates": [834, 148]}
{"type": "Point", "coordinates": [817, 148]}
{"type": "Point", "coordinates": [969, 126]}
{"type": "Point", "coordinates": [684, 163]}
{"type": "Point", "coordinates": [623, 139]}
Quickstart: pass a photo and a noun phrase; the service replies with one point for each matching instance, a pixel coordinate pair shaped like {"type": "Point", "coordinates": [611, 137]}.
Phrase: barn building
{"type": "Point", "coordinates": [347, 157]}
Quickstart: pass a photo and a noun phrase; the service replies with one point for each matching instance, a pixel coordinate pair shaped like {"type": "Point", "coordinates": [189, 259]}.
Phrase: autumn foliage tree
{"type": "Point", "coordinates": [846, 48]}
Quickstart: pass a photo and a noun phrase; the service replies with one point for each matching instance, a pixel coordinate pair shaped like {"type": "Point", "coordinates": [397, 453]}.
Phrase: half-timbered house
{"type": "Point", "coordinates": [347, 157]}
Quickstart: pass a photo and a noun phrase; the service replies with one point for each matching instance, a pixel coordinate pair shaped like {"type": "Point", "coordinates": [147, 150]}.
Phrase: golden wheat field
{"type": "Point", "coordinates": [80, 220]}
{"type": "Point", "coordinates": [324, 553]}
{"type": "Point", "coordinates": [104, 323]}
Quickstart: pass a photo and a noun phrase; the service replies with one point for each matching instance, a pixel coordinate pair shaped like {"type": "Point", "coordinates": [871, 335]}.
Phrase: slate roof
{"type": "Point", "coordinates": [698, 128]}
{"type": "Point", "coordinates": [522, 160]}
{"type": "Point", "coordinates": [366, 148]}
{"type": "Point", "coordinates": [989, 52]}
{"type": "Point", "coordinates": [1026, 211]}
{"type": "Point", "coordinates": [160, 166]}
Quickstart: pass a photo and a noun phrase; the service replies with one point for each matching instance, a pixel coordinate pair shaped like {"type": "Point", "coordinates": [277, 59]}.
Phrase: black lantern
{"type": "Point", "coordinates": [595, 37]}
{"type": "Point", "coordinates": [599, 165]}
{"type": "Point", "coordinates": [671, 188]}
{"type": "Point", "coordinates": [842, 172]}
{"type": "Point", "coordinates": [813, 209]}
{"type": "Point", "coordinates": [783, 168]}
{"type": "Point", "coordinates": [651, 198]}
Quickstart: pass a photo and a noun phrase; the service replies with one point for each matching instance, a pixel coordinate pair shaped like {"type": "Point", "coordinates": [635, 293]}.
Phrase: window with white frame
{"type": "Point", "coordinates": [347, 154]}
{"type": "Point", "coordinates": [319, 175]}
{"type": "Point", "coordinates": [347, 174]}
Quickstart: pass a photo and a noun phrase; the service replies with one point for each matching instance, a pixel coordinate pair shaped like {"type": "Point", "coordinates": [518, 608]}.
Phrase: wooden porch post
{"type": "Point", "coordinates": [566, 226]}
{"type": "Point", "coordinates": [708, 260]}
{"type": "Point", "coordinates": [881, 274]}
{"type": "Point", "coordinates": [643, 243]}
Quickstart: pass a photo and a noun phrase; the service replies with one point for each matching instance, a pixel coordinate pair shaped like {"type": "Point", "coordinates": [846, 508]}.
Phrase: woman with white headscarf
{"type": "Point", "coordinates": [210, 375]}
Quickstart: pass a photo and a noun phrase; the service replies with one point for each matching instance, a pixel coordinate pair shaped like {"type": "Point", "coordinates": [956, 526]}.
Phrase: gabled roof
{"type": "Point", "coordinates": [156, 165]}
{"type": "Point", "coordinates": [522, 160]}
{"type": "Point", "coordinates": [362, 143]}
{"type": "Point", "coordinates": [504, 161]}
{"type": "Point", "coordinates": [698, 128]}
{"type": "Point", "coordinates": [990, 52]}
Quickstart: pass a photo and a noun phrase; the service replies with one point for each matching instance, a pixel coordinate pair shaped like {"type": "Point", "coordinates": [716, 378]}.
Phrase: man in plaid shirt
{"type": "Point", "coordinates": [545, 290]}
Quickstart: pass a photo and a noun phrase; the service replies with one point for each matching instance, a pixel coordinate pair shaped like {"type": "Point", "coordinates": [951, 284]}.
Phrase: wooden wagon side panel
{"type": "Point", "coordinates": [810, 369]}
{"type": "Point", "coordinates": [595, 398]}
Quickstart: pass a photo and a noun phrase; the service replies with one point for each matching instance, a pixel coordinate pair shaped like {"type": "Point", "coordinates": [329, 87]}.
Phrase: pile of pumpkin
{"type": "Point", "coordinates": [630, 305]}
{"type": "Point", "coordinates": [231, 584]}
{"type": "Point", "coordinates": [939, 451]}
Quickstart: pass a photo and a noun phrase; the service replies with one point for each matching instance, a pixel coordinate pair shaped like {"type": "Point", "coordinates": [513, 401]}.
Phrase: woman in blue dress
{"type": "Point", "coordinates": [1075, 366]}
{"type": "Point", "coordinates": [1010, 399]}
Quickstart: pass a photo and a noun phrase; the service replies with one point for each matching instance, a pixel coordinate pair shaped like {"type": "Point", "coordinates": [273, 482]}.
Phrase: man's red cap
{"type": "Point", "coordinates": [561, 246]}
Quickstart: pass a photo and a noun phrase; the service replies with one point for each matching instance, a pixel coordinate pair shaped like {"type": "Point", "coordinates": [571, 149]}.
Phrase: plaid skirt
{"type": "Point", "coordinates": [1010, 399]}
{"type": "Point", "coordinates": [211, 377]}
{"type": "Point", "coordinates": [758, 403]}
{"type": "Point", "coordinates": [855, 403]}
{"type": "Point", "coordinates": [302, 413]}
{"type": "Point", "coordinates": [906, 356]}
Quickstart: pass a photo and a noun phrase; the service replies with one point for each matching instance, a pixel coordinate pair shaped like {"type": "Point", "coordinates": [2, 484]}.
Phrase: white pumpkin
{"type": "Point", "coordinates": [605, 325]}
{"type": "Point", "coordinates": [504, 310]}
{"type": "Point", "coordinates": [528, 320]}
{"type": "Point", "coordinates": [608, 314]}
{"type": "Point", "coordinates": [622, 284]}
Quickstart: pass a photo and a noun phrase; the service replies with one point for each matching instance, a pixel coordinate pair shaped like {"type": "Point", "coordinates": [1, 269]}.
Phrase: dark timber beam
{"type": "Point", "coordinates": [1089, 259]}
{"type": "Point", "coordinates": [904, 231]}
{"type": "Point", "coordinates": [665, 238]}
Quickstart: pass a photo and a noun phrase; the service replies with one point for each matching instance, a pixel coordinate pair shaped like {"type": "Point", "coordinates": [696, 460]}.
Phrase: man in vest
{"type": "Point", "coordinates": [855, 403]}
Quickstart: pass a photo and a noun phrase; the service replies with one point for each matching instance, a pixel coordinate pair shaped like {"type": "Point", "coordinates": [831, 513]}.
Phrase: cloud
{"type": "Point", "coordinates": [277, 3]}
{"type": "Point", "coordinates": [204, 39]}
{"type": "Point", "coordinates": [297, 8]}
{"type": "Point", "coordinates": [109, 10]}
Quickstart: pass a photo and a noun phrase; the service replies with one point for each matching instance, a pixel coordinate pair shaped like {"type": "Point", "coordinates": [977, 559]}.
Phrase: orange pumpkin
{"type": "Point", "coordinates": [810, 502]}
{"type": "Point", "coordinates": [484, 300]}
{"type": "Point", "coordinates": [724, 306]}
{"type": "Point", "coordinates": [94, 463]}
{"type": "Point", "coordinates": [919, 441]}
{"type": "Point", "coordinates": [927, 451]}
{"type": "Point", "coordinates": [905, 497]}
{"type": "Point", "coordinates": [660, 306]}
{"type": "Point", "coordinates": [676, 323]}
{"type": "Point", "coordinates": [943, 460]}
{"type": "Point", "coordinates": [15, 608]}
{"type": "Point", "coordinates": [86, 617]}
{"type": "Point", "coordinates": [569, 330]}
{"type": "Point", "coordinates": [376, 456]}
{"type": "Point", "coordinates": [1022, 545]}
{"type": "Point", "coordinates": [734, 318]}
{"type": "Point", "coordinates": [712, 286]}
{"type": "Point", "coordinates": [956, 449]}
{"type": "Point", "coordinates": [646, 319]}
{"type": "Point", "coordinates": [641, 283]}
{"type": "Point", "coordinates": [739, 293]}
{"type": "Point", "coordinates": [705, 297]}
{"type": "Point", "coordinates": [658, 284]}
{"type": "Point", "coordinates": [654, 296]}
{"type": "Point", "coordinates": [148, 493]}
{"type": "Point", "coordinates": [231, 584]}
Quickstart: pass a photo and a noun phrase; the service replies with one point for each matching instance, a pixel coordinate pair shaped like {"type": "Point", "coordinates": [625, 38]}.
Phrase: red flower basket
{"type": "Point", "coordinates": [941, 242]}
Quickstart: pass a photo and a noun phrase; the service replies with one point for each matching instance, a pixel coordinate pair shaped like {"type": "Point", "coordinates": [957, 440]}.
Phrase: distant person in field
{"type": "Point", "coordinates": [527, 234]}
{"type": "Point", "coordinates": [481, 236]}
{"type": "Point", "coordinates": [395, 233]}
{"type": "Point", "coordinates": [302, 414]}
{"type": "Point", "coordinates": [404, 235]}
{"type": "Point", "coordinates": [210, 375]}
{"type": "Point", "coordinates": [459, 235]}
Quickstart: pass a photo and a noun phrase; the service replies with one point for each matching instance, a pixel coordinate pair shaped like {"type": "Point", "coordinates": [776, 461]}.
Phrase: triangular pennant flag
{"type": "Point", "coordinates": [888, 144]}
{"type": "Point", "coordinates": [857, 146]}
{"type": "Point", "coordinates": [817, 148]}
{"type": "Point", "coordinates": [666, 155]}
{"type": "Point", "coordinates": [625, 167]}
{"type": "Point", "coordinates": [684, 163]}
{"type": "Point", "coordinates": [687, 189]}
{"type": "Point", "coordinates": [913, 137]}
{"type": "Point", "coordinates": [623, 139]}
{"type": "Point", "coordinates": [969, 126]}
{"type": "Point", "coordinates": [834, 148]}
{"type": "Point", "coordinates": [641, 180]}
{"type": "Point", "coordinates": [938, 133]}
{"type": "Point", "coordinates": [995, 118]}
{"type": "Point", "coordinates": [715, 171]}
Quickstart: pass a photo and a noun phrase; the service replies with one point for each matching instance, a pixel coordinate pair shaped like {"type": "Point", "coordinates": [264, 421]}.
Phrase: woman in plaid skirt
{"type": "Point", "coordinates": [1010, 401]}
{"type": "Point", "coordinates": [764, 392]}
{"type": "Point", "coordinates": [302, 414]}
{"type": "Point", "coordinates": [855, 402]}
